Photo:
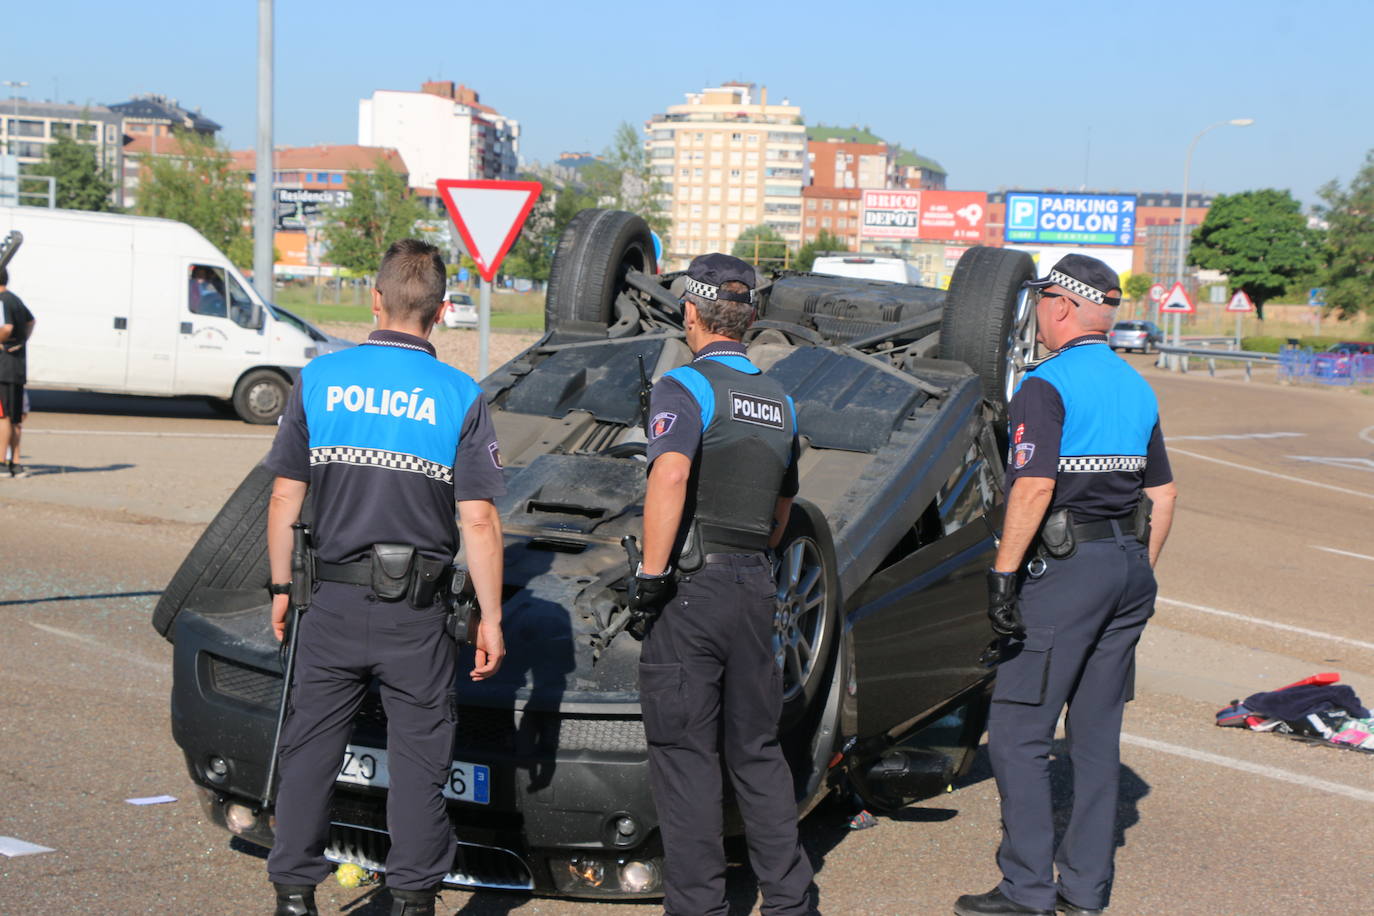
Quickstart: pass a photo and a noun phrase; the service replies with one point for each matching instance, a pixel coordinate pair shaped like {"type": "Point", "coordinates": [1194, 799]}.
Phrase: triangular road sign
{"type": "Point", "coordinates": [1240, 303]}
{"type": "Point", "coordinates": [1177, 301]}
{"type": "Point", "coordinates": [488, 215]}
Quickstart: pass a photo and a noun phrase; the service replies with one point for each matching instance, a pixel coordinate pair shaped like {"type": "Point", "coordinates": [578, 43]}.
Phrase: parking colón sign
{"type": "Point", "coordinates": [1075, 219]}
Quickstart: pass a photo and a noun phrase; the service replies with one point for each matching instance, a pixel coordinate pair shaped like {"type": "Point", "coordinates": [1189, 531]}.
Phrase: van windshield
{"type": "Point", "coordinates": [297, 322]}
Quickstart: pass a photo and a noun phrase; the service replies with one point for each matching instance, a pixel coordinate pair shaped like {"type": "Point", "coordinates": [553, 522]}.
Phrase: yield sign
{"type": "Point", "coordinates": [1177, 300]}
{"type": "Point", "coordinates": [1240, 303]}
{"type": "Point", "coordinates": [488, 215]}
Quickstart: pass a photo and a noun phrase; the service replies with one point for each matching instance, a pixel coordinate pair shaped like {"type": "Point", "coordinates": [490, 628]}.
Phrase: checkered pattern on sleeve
{"type": "Point", "coordinates": [380, 458]}
{"type": "Point", "coordinates": [1090, 464]}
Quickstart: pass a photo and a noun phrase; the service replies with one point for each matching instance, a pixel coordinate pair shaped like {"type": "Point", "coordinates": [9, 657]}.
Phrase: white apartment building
{"type": "Point", "coordinates": [728, 160]}
{"type": "Point", "coordinates": [442, 131]}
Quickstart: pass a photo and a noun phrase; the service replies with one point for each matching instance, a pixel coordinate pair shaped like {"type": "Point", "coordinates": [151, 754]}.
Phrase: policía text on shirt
{"type": "Point", "coordinates": [397, 403]}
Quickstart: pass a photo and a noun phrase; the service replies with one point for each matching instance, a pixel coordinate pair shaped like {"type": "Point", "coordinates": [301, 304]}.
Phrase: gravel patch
{"type": "Point", "coordinates": [455, 346]}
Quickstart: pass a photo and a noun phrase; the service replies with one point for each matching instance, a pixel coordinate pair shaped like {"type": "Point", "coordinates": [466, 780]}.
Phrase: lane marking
{"type": "Point", "coordinates": [1245, 766]}
{"type": "Point", "coordinates": [90, 642]}
{"type": "Point", "coordinates": [119, 432]}
{"type": "Point", "coordinates": [1354, 464]}
{"type": "Point", "coordinates": [1367, 434]}
{"type": "Point", "coordinates": [1246, 467]}
{"type": "Point", "coordinates": [1235, 436]}
{"type": "Point", "coordinates": [1344, 553]}
{"type": "Point", "coordinates": [1259, 621]}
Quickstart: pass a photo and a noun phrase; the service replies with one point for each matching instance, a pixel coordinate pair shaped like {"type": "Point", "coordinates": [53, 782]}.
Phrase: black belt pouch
{"type": "Point", "coordinates": [1140, 521]}
{"type": "Point", "coordinates": [1056, 535]}
{"type": "Point", "coordinates": [391, 565]}
{"type": "Point", "coordinates": [425, 584]}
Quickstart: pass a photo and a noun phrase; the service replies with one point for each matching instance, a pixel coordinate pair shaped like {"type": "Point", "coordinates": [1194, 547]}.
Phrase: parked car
{"type": "Point", "coordinates": [1352, 347]}
{"type": "Point", "coordinates": [1135, 335]}
{"type": "Point", "coordinates": [459, 311]}
{"type": "Point", "coordinates": [867, 267]}
{"type": "Point", "coordinates": [880, 604]}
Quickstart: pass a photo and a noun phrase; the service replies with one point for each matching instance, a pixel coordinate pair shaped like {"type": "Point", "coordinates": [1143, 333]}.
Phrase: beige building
{"type": "Point", "coordinates": [728, 160]}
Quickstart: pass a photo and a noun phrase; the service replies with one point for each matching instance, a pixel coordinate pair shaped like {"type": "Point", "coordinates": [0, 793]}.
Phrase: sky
{"type": "Point", "coordinates": [1047, 95]}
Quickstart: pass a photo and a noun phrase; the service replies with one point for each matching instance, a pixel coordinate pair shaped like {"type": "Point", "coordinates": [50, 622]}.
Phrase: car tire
{"type": "Point", "coordinates": [589, 265]}
{"type": "Point", "coordinates": [806, 623]}
{"type": "Point", "coordinates": [260, 396]}
{"type": "Point", "coordinates": [989, 320]}
{"type": "Point", "coordinates": [230, 554]}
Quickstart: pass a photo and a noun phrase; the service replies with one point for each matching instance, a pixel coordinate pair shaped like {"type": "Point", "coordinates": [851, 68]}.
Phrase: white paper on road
{"type": "Point", "coordinates": [9, 846]}
{"type": "Point", "coordinates": [152, 800]}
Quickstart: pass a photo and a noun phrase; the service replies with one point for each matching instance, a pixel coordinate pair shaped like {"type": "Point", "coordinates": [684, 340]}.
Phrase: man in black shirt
{"type": "Point", "coordinates": [16, 327]}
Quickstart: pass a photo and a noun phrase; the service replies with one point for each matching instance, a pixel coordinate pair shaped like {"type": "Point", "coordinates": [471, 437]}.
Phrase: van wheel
{"type": "Point", "coordinates": [588, 271]}
{"type": "Point", "coordinates": [230, 554]}
{"type": "Point", "coordinates": [260, 396]}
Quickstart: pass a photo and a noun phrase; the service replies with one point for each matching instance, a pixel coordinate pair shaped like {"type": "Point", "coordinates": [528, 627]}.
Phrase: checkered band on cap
{"type": "Point", "coordinates": [707, 291]}
{"type": "Point", "coordinates": [380, 458]}
{"type": "Point", "coordinates": [1079, 287]}
{"type": "Point", "coordinates": [1088, 464]}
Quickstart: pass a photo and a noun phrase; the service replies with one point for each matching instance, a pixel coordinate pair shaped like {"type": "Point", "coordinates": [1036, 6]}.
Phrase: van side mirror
{"type": "Point", "coordinates": [259, 318]}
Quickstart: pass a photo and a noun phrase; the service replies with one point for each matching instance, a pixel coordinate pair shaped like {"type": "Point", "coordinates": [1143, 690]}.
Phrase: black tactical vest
{"type": "Point", "coordinates": [744, 455]}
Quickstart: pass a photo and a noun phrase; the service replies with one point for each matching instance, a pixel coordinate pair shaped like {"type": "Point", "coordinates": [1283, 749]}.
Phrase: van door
{"type": "Point", "coordinates": [158, 300]}
{"type": "Point", "coordinates": [216, 340]}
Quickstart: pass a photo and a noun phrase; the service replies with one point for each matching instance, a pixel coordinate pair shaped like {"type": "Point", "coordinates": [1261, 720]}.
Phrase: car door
{"type": "Point", "coordinates": [217, 338]}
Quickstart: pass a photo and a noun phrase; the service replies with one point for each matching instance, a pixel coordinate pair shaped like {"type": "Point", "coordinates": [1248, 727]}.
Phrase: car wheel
{"type": "Point", "coordinates": [989, 320]}
{"type": "Point", "coordinates": [805, 619]}
{"type": "Point", "coordinates": [260, 396]}
{"type": "Point", "coordinates": [588, 271]}
{"type": "Point", "coordinates": [230, 554]}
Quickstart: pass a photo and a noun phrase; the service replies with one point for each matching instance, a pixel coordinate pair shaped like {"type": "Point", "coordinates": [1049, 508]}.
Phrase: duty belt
{"type": "Point", "coordinates": [393, 572]}
{"type": "Point", "coordinates": [1101, 529]}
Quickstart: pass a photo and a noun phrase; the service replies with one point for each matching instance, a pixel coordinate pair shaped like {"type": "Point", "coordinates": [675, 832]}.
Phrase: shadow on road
{"type": "Point", "coordinates": [43, 470]}
{"type": "Point", "coordinates": [82, 402]}
{"type": "Point", "coordinates": [91, 597]}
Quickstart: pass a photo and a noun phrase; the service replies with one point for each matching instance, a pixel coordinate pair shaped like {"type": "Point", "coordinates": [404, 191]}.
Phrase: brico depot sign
{"type": "Point", "coordinates": [929, 215]}
{"type": "Point", "coordinates": [1071, 219]}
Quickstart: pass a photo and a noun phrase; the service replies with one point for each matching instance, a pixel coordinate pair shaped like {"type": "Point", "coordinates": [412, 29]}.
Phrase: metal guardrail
{"type": "Point", "coordinates": [1211, 355]}
{"type": "Point", "coordinates": [1293, 364]}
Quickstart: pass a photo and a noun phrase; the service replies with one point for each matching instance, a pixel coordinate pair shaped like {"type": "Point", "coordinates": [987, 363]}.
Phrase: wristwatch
{"type": "Point", "coordinates": [279, 588]}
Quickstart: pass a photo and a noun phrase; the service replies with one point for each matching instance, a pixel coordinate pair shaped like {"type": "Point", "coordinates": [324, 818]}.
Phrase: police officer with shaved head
{"type": "Point", "coordinates": [722, 474]}
{"type": "Point", "coordinates": [386, 438]}
{"type": "Point", "coordinates": [1089, 505]}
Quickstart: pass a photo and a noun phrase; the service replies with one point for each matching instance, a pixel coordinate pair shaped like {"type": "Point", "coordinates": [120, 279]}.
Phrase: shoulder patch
{"type": "Point", "coordinates": [750, 408]}
{"type": "Point", "coordinates": [494, 450]}
{"type": "Point", "coordinates": [661, 424]}
{"type": "Point", "coordinates": [1022, 455]}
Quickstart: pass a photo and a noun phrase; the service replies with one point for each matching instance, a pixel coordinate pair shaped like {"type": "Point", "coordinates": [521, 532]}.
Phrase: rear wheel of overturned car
{"type": "Point", "coordinates": [989, 320]}
{"type": "Point", "coordinates": [231, 552]}
{"type": "Point", "coordinates": [594, 253]}
{"type": "Point", "coordinates": [260, 396]}
{"type": "Point", "coordinates": [805, 619]}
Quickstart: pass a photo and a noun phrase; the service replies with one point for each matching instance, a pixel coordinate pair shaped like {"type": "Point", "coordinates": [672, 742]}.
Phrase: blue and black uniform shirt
{"type": "Point", "coordinates": [683, 405]}
{"type": "Point", "coordinates": [388, 438]}
{"type": "Point", "coordinates": [1086, 419]}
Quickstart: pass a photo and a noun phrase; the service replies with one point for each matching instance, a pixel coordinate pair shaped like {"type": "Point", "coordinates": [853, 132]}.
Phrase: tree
{"type": "Point", "coordinates": [761, 245]}
{"type": "Point", "coordinates": [81, 183]}
{"type": "Point", "coordinates": [1349, 270]}
{"type": "Point", "coordinates": [198, 187]}
{"type": "Point", "coordinates": [1138, 286]}
{"type": "Point", "coordinates": [806, 257]}
{"type": "Point", "coordinates": [623, 179]}
{"type": "Point", "coordinates": [1260, 240]}
{"type": "Point", "coordinates": [381, 212]}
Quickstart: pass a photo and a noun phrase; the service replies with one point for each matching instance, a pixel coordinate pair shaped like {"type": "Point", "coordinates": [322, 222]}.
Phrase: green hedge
{"type": "Point", "coordinates": [1274, 344]}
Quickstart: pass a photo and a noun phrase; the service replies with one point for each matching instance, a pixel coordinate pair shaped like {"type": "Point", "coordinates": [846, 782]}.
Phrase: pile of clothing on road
{"type": "Point", "coordinates": [1315, 709]}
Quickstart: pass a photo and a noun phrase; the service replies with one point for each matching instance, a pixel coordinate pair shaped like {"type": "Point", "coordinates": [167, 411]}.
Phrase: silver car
{"type": "Point", "coordinates": [1135, 335]}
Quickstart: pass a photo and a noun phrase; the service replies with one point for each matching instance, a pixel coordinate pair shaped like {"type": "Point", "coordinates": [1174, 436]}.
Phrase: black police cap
{"type": "Point", "coordinates": [1087, 277]}
{"type": "Point", "coordinates": [709, 272]}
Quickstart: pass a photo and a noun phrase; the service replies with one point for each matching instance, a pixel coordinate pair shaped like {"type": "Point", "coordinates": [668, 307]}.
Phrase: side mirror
{"type": "Point", "coordinates": [259, 318]}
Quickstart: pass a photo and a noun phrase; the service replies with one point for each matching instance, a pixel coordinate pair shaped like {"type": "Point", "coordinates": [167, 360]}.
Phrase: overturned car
{"type": "Point", "coordinates": [900, 393]}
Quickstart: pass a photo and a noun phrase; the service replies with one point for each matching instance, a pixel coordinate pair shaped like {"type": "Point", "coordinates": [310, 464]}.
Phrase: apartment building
{"type": "Point", "coordinates": [916, 171]}
{"type": "Point", "coordinates": [30, 127]}
{"type": "Point", "coordinates": [442, 131]}
{"type": "Point", "coordinates": [728, 160]}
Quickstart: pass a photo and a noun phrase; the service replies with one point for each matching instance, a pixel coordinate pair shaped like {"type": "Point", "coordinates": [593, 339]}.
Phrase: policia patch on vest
{"type": "Point", "coordinates": [750, 408]}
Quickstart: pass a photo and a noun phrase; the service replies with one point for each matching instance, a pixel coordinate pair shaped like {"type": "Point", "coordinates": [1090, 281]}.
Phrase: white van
{"type": "Point", "coordinates": [136, 305]}
{"type": "Point", "coordinates": [867, 267]}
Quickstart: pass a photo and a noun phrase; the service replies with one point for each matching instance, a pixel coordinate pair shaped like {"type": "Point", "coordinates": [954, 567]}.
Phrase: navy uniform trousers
{"type": "Point", "coordinates": [1083, 620]}
{"type": "Point", "coordinates": [347, 637]}
{"type": "Point", "coordinates": [708, 681]}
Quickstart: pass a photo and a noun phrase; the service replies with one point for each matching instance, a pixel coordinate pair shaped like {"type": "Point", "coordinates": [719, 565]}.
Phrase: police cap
{"type": "Point", "coordinates": [709, 272]}
{"type": "Point", "coordinates": [1087, 277]}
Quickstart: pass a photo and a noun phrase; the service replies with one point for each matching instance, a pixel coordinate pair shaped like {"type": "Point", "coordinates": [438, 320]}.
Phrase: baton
{"type": "Point", "coordinates": [302, 586]}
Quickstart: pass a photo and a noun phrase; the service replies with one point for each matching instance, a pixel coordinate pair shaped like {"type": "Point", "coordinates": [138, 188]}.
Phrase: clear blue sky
{"type": "Point", "coordinates": [1003, 94]}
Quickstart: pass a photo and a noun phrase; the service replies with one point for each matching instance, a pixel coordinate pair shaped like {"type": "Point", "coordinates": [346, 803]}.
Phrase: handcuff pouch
{"type": "Point", "coordinates": [1056, 535]}
{"type": "Point", "coordinates": [391, 565]}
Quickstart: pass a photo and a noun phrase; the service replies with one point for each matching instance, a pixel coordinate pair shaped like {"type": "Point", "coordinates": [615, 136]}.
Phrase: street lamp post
{"type": "Point", "coordinates": [1183, 203]}
{"type": "Point", "coordinates": [15, 86]}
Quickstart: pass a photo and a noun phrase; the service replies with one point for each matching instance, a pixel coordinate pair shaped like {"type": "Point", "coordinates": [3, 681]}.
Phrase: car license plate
{"type": "Point", "coordinates": [367, 766]}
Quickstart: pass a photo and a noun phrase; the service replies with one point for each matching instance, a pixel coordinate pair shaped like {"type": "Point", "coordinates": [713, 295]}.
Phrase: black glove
{"type": "Point", "coordinates": [646, 595]}
{"type": "Point", "coordinates": [1003, 610]}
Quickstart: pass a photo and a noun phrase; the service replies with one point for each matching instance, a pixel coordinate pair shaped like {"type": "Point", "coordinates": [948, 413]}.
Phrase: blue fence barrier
{"type": "Point", "coordinates": [1326, 368]}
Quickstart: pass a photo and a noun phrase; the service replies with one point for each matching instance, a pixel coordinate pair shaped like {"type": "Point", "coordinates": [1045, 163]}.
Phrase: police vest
{"type": "Point", "coordinates": [745, 450]}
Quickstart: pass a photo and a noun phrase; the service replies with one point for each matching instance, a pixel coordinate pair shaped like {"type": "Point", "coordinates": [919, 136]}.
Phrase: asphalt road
{"type": "Point", "coordinates": [1269, 577]}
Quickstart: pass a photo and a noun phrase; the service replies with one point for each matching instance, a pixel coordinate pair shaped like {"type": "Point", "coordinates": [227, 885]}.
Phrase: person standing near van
{"type": "Point", "coordinates": [16, 327]}
{"type": "Point", "coordinates": [386, 438]}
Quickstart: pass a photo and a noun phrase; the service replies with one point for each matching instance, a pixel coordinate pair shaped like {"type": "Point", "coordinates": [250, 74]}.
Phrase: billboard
{"type": "Point", "coordinates": [930, 215]}
{"type": "Point", "coordinates": [1070, 219]}
{"type": "Point", "coordinates": [297, 206]}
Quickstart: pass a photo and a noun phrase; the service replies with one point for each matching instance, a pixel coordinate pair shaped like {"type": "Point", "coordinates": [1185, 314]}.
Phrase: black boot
{"type": "Point", "coordinates": [295, 900]}
{"type": "Point", "coordinates": [413, 903]}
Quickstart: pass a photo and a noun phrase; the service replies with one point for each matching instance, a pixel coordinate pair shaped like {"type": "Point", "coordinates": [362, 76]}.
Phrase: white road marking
{"type": "Point", "coordinates": [1260, 621]}
{"type": "Point", "coordinates": [1245, 766]}
{"type": "Point", "coordinates": [1246, 467]}
{"type": "Point", "coordinates": [1367, 434]}
{"type": "Point", "coordinates": [90, 642]}
{"type": "Point", "coordinates": [1354, 464]}
{"type": "Point", "coordinates": [1235, 436]}
{"type": "Point", "coordinates": [1344, 553]}
{"type": "Point", "coordinates": [119, 432]}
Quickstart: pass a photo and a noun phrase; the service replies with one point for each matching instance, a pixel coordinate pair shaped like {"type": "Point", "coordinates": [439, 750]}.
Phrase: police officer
{"type": "Point", "coordinates": [723, 471]}
{"type": "Point", "coordinates": [1071, 589]}
{"type": "Point", "coordinates": [386, 437]}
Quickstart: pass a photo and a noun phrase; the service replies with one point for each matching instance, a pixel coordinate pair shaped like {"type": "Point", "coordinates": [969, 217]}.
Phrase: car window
{"type": "Point", "coordinates": [1128, 326]}
{"type": "Point", "coordinates": [213, 293]}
